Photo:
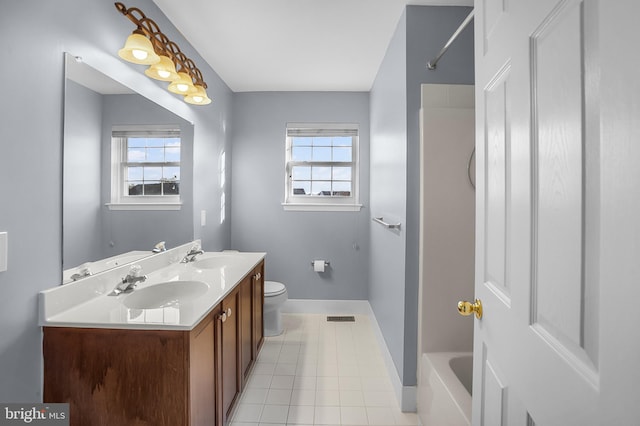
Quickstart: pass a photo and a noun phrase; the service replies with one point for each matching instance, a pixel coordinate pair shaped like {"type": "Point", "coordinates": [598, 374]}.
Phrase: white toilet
{"type": "Point", "coordinates": [275, 294]}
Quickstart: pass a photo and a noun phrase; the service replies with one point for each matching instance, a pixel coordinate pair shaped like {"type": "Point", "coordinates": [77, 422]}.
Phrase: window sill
{"type": "Point", "coordinates": [321, 207]}
{"type": "Point", "coordinates": [144, 206]}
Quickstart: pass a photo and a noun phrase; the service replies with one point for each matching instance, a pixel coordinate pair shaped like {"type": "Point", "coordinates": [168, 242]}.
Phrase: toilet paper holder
{"type": "Point", "coordinates": [326, 264]}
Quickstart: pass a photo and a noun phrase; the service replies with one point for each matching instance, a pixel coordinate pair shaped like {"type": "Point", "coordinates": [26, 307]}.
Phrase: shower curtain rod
{"type": "Point", "coordinates": [431, 65]}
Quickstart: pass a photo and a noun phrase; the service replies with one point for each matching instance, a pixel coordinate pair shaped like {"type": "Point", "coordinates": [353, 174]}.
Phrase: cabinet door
{"type": "Point", "coordinates": [246, 327]}
{"type": "Point", "coordinates": [257, 278]}
{"type": "Point", "coordinates": [202, 373]}
{"type": "Point", "coordinates": [230, 352]}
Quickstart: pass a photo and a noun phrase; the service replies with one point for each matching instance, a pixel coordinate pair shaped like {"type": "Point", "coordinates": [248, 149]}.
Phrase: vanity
{"type": "Point", "coordinates": [176, 350]}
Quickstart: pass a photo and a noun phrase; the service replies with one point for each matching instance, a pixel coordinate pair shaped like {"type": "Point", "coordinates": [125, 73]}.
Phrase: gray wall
{"type": "Point", "coordinates": [34, 35]}
{"type": "Point", "coordinates": [126, 230]}
{"type": "Point", "coordinates": [293, 239]}
{"type": "Point", "coordinates": [395, 131]}
{"type": "Point", "coordinates": [82, 221]}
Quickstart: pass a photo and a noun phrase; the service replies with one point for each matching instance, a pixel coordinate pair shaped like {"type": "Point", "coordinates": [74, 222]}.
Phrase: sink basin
{"type": "Point", "coordinates": [216, 262]}
{"type": "Point", "coordinates": [165, 294]}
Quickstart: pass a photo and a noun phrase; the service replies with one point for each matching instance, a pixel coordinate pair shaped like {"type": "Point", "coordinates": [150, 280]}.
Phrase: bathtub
{"type": "Point", "coordinates": [444, 389]}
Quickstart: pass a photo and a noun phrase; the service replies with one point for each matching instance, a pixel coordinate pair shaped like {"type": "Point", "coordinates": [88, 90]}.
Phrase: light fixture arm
{"type": "Point", "coordinates": [162, 45]}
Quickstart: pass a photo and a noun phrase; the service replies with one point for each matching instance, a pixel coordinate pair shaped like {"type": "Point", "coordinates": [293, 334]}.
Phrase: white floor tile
{"type": "Point", "coordinates": [247, 413]}
{"type": "Point", "coordinates": [382, 416]}
{"type": "Point", "coordinates": [244, 424]}
{"type": "Point", "coordinates": [274, 414]}
{"type": "Point", "coordinates": [379, 399]}
{"type": "Point", "coordinates": [303, 397]}
{"type": "Point", "coordinates": [353, 415]}
{"type": "Point", "coordinates": [254, 396]}
{"type": "Point", "coordinates": [259, 381]}
{"type": "Point", "coordinates": [351, 398]}
{"type": "Point", "coordinates": [285, 369]}
{"type": "Point", "coordinates": [327, 397]}
{"type": "Point", "coordinates": [282, 382]}
{"type": "Point", "coordinates": [301, 414]}
{"type": "Point", "coordinates": [328, 383]}
{"type": "Point", "coordinates": [327, 416]}
{"type": "Point", "coordinates": [264, 368]}
{"type": "Point", "coordinates": [376, 384]}
{"type": "Point", "coordinates": [405, 419]}
{"type": "Point", "coordinates": [278, 397]}
{"type": "Point", "coordinates": [305, 382]}
{"type": "Point", "coordinates": [350, 383]}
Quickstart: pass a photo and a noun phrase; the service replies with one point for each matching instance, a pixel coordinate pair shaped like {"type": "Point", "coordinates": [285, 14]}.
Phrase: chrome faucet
{"type": "Point", "coordinates": [130, 281]}
{"type": "Point", "coordinates": [191, 256]}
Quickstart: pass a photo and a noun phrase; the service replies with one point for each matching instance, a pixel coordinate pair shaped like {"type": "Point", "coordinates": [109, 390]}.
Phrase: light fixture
{"type": "Point", "coordinates": [199, 97]}
{"type": "Point", "coordinates": [183, 85]}
{"type": "Point", "coordinates": [138, 49]}
{"type": "Point", "coordinates": [165, 70]}
{"type": "Point", "coordinates": [148, 45]}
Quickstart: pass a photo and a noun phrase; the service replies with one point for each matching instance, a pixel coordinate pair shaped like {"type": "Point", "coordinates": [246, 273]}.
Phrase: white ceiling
{"type": "Point", "coordinates": [292, 45]}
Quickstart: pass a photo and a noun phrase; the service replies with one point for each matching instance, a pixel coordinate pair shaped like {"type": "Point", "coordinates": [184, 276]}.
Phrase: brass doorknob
{"type": "Point", "coordinates": [467, 308]}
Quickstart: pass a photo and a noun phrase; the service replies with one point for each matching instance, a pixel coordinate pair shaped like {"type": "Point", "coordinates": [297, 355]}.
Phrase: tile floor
{"type": "Point", "coordinates": [320, 373]}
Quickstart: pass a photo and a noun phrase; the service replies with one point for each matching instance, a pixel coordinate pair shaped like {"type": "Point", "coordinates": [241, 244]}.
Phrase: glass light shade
{"type": "Point", "coordinates": [183, 85]}
{"type": "Point", "coordinates": [199, 97]}
{"type": "Point", "coordinates": [139, 50]}
{"type": "Point", "coordinates": [164, 70]}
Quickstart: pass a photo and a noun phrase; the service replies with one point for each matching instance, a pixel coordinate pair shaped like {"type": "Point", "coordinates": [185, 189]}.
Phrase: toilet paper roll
{"type": "Point", "coordinates": [318, 265]}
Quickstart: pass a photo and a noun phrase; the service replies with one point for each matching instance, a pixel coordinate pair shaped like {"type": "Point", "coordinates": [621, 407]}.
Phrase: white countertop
{"type": "Point", "coordinates": [87, 303]}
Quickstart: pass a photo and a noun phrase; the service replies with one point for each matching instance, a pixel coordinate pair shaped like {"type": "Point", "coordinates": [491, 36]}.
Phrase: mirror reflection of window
{"type": "Point", "coordinates": [147, 162]}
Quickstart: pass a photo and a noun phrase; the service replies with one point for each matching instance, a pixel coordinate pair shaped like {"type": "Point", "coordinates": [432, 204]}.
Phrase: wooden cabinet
{"type": "Point", "coordinates": [257, 293]}
{"type": "Point", "coordinates": [246, 327]}
{"type": "Point", "coordinates": [158, 377]}
{"type": "Point", "coordinates": [230, 384]}
{"type": "Point", "coordinates": [251, 321]}
{"type": "Point", "coordinates": [121, 377]}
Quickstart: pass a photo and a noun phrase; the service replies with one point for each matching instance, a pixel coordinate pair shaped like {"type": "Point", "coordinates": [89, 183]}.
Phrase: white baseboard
{"type": "Point", "coordinates": [406, 395]}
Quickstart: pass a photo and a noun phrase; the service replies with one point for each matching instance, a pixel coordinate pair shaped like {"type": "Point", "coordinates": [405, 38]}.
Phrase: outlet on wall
{"type": "Point", "coordinates": [203, 218]}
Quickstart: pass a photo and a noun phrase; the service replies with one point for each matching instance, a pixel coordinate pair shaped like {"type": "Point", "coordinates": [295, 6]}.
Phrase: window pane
{"type": "Point", "coordinates": [321, 173]}
{"type": "Point", "coordinates": [342, 141]}
{"type": "Point", "coordinates": [300, 141]}
{"type": "Point", "coordinates": [342, 189]}
{"type": "Point", "coordinates": [321, 188]}
{"type": "Point", "coordinates": [136, 142]}
{"type": "Point", "coordinates": [321, 154]}
{"type": "Point", "coordinates": [301, 187]}
{"type": "Point", "coordinates": [155, 155]}
{"type": "Point", "coordinates": [171, 188]}
{"type": "Point", "coordinates": [152, 173]}
{"type": "Point", "coordinates": [342, 173]}
{"type": "Point", "coordinates": [301, 173]}
{"type": "Point", "coordinates": [135, 188]}
{"type": "Point", "coordinates": [323, 141]}
{"type": "Point", "coordinates": [342, 154]}
{"type": "Point", "coordinates": [152, 188]}
{"type": "Point", "coordinates": [301, 154]}
{"type": "Point", "coordinates": [134, 173]}
{"type": "Point", "coordinates": [171, 173]}
{"type": "Point", "coordinates": [172, 154]}
{"type": "Point", "coordinates": [136, 155]}
{"type": "Point", "coordinates": [156, 142]}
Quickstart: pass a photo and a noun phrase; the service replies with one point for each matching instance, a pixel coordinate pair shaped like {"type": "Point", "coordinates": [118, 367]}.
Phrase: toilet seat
{"type": "Point", "coordinates": [273, 288]}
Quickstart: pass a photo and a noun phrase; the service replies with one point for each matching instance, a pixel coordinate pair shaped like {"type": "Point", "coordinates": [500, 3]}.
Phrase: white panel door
{"type": "Point", "coordinates": [558, 212]}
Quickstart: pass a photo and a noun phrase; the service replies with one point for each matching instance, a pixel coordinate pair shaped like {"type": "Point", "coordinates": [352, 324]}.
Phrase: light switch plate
{"type": "Point", "coordinates": [3, 251]}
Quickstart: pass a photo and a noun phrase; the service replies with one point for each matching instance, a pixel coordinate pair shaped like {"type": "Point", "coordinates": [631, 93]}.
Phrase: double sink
{"type": "Point", "coordinates": [175, 294]}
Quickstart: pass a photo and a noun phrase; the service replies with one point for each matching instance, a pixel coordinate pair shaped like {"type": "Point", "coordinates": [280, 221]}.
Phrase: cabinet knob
{"type": "Point", "coordinates": [257, 276]}
{"type": "Point", "coordinates": [223, 317]}
{"type": "Point", "coordinates": [228, 312]}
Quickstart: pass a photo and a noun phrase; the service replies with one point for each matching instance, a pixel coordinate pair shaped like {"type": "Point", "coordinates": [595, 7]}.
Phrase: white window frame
{"type": "Point", "coordinates": [120, 199]}
{"type": "Point", "coordinates": [325, 202]}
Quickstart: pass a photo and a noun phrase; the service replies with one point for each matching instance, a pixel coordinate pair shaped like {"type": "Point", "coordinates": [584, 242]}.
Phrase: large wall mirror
{"type": "Point", "coordinates": [95, 105]}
